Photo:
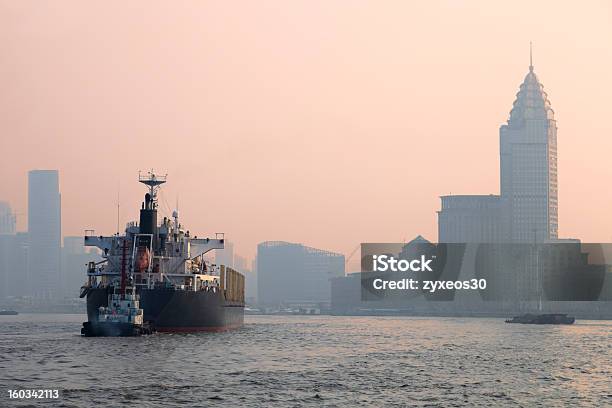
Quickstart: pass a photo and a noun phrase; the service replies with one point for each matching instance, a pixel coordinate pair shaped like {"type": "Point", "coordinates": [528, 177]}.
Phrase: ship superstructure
{"type": "Point", "coordinates": [178, 289]}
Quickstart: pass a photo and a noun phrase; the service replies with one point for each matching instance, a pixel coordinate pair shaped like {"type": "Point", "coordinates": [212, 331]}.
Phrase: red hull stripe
{"type": "Point", "coordinates": [194, 329]}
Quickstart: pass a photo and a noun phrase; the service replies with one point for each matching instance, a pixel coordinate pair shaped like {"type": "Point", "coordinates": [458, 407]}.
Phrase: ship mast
{"type": "Point", "coordinates": [123, 266]}
{"type": "Point", "coordinates": [153, 181]}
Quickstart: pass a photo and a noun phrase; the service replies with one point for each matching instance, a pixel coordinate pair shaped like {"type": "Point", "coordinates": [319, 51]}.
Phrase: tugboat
{"type": "Point", "coordinates": [168, 278]}
{"type": "Point", "coordinates": [548, 318]}
{"type": "Point", "coordinates": [123, 315]}
{"type": "Point", "coordinates": [123, 318]}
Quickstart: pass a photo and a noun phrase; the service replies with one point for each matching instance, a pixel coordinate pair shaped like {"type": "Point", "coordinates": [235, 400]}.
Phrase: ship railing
{"type": "Point", "coordinates": [102, 273]}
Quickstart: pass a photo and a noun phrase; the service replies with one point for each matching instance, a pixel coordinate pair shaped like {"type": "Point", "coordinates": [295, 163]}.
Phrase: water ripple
{"type": "Point", "coordinates": [312, 361]}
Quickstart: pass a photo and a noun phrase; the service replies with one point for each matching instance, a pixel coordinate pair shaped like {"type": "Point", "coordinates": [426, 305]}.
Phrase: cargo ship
{"type": "Point", "coordinates": [177, 289]}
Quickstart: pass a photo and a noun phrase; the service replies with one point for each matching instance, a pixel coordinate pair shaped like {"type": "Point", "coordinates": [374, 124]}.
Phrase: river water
{"type": "Point", "coordinates": [312, 361]}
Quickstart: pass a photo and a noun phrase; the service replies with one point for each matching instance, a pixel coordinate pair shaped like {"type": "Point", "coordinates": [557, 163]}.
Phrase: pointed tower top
{"type": "Point", "coordinates": [530, 57]}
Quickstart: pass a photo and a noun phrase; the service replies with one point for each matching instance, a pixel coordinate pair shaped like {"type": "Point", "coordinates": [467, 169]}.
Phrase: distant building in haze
{"type": "Point", "coordinates": [251, 283]}
{"type": "Point", "coordinates": [240, 263]}
{"type": "Point", "coordinates": [44, 230]}
{"type": "Point", "coordinates": [7, 248]}
{"type": "Point", "coordinates": [527, 209]}
{"type": "Point", "coordinates": [73, 265]}
{"type": "Point", "coordinates": [225, 256]}
{"type": "Point", "coordinates": [293, 273]}
{"type": "Point", "coordinates": [528, 159]}
{"type": "Point", "coordinates": [470, 218]}
{"type": "Point", "coordinates": [14, 264]}
{"type": "Point", "coordinates": [7, 219]}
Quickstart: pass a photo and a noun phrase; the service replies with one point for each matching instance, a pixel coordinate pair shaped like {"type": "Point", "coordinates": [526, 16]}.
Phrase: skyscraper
{"type": "Point", "coordinates": [44, 230]}
{"type": "Point", "coordinates": [7, 247]}
{"type": "Point", "coordinates": [7, 219]}
{"type": "Point", "coordinates": [74, 260]}
{"type": "Point", "coordinates": [225, 256]}
{"type": "Point", "coordinates": [527, 208]}
{"type": "Point", "coordinates": [528, 164]}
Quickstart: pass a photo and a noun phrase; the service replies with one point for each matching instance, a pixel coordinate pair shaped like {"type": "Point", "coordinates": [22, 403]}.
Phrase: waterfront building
{"type": "Point", "coordinates": [44, 231]}
{"type": "Point", "coordinates": [293, 273]}
{"type": "Point", "coordinates": [470, 218]}
{"type": "Point", "coordinates": [528, 164]}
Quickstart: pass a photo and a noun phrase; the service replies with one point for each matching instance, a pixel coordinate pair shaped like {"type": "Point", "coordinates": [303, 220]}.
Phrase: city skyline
{"type": "Point", "coordinates": [297, 164]}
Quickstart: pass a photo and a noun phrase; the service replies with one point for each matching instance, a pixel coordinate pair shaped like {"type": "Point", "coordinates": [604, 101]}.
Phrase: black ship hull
{"type": "Point", "coordinates": [169, 310]}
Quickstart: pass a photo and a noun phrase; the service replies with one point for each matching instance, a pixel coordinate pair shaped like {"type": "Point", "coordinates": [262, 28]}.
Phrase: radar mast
{"type": "Point", "coordinates": [153, 181]}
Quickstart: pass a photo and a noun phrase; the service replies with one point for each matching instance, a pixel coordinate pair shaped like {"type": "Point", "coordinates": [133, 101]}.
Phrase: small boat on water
{"type": "Point", "coordinates": [122, 317]}
{"type": "Point", "coordinates": [548, 318]}
{"type": "Point", "coordinates": [8, 313]}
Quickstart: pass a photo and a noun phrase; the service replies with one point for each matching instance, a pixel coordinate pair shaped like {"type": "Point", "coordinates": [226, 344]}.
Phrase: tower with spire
{"type": "Point", "coordinates": [526, 209]}
{"type": "Point", "coordinates": [528, 165]}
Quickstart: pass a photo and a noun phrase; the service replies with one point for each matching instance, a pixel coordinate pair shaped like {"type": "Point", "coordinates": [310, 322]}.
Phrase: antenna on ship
{"type": "Point", "coordinates": [153, 181]}
{"type": "Point", "coordinates": [175, 214]}
{"type": "Point", "coordinates": [118, 189]}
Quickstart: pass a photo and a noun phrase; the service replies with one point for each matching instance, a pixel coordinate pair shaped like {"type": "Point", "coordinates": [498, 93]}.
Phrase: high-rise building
{"type": "Point", "coordinates": [225, 256]}
{"type": "Point", "coordinates": [74, 261]}
{"type": "Point", "coordinates": [528, 164]}
{"type": "Point", "coordinates": [7, 219]}
{"type": "Point", "coordinates": [240, 263]}
{"type": "Point", "coordinates": [251, 283]}
{"type": "Point", "coordinates": [14, 264]}
{"type": "Point", "coordinates": [7, 247]}
{"type": "Point", "coordinates": [44, 231]}
{"type": "Point", "coordinates": [527, 208]}
{"type": "Point", "coordinates": [293, 273]}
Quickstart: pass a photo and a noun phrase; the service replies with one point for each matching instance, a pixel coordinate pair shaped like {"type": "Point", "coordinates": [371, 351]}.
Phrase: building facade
{"type": "Point", "coordinates": [7, 248]}
{"type": "Point", "coordinates": [528, 165]}
{"type": "Point", "coordinates": [470, 218]}
{"type": "Point", "coordinates": [14, 259]}
{"type": "Point", "coordinates": [293, 273]}
{"type": "Point", "coordinates": [44, 231]}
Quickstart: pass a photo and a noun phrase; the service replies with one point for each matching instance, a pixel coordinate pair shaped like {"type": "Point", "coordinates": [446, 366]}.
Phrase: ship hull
{"type": "Point", "coordinates": [169, 310]}
{"type": "Point", "coordinates": [114, 329]}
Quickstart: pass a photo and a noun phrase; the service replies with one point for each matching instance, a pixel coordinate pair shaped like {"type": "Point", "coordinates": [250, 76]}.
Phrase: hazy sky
{"type": "Point", "coordinates": [322, 122]}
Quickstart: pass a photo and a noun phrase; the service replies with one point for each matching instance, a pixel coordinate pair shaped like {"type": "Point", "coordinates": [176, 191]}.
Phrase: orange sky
{"type": "Point", "coordinates": [287, 119]}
